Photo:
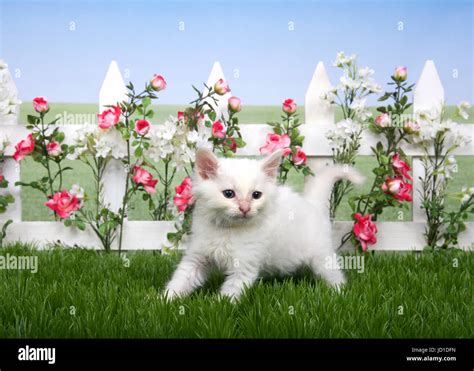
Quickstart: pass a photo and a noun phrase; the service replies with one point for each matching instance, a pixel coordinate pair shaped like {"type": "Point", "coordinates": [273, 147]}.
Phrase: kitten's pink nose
{"type": "Point", "coordinates": [244, 207]}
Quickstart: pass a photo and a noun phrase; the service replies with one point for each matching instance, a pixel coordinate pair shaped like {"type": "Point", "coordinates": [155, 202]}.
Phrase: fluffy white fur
{"type": "Point", "coordinates": [281, 232]}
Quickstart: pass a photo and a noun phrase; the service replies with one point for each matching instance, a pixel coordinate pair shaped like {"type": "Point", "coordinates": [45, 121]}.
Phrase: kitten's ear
{"type": "Point", "coordinates": [272, 163]}
{"type": "Point", "coordinates": [206, 164]}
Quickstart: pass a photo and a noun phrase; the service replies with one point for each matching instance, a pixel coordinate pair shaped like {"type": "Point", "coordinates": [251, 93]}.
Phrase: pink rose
{"type": "Point", "coordinates": [158, 83]}
{"type": "Point", "coordinates": [412, 127]}
{"type": "Point", "coordinates": [398, 188]}
{"type": "Point", "coordinates": [142, 127]}
{"type": "Point", "coordinates": [63, 203]}
{"type": "Point", "coordinates": [144, 178]}
{"type": "Point", "coordinates": [183, 197]}
{"type": "Point", "coordinates": [40, 104]}
{"type": "Point", "coordinates": [275, 142]}
{"type": "Point", "coordinates": [24, 148]}
{"type": "Point", "coordinates": [382, 120]}
{"type": "Point", "coordinates": [218, 130]}
{"type": "Point", "coordinates": [221, 87]}
{"type": "Point", "coordinates": [234, 104]}
{"type": "Point", "coordinates": [289, 106]}
{"type": "Point", "coordinates": [365, 229]}
{"type": "Point", "coordinates": [109, 117]}
{"type": "Point", "coordinates": [299, 158]}
{"type": "Point", "coordinates": [400, 166]}
{"type": "Point", "coordinates": [181, 117]}
{"type": "Point", "coordinates": [54, 149]}
{"type": "Point", "coordinates": [400, 73]}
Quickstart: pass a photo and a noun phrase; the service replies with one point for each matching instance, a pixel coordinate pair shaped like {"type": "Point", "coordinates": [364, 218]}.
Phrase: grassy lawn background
{"type": "Point", "coordinates": [33, 208]}
{"type": "Point", "coordinates": [111, 300]}
{"type": "Point", "coordinates": [248, 115]}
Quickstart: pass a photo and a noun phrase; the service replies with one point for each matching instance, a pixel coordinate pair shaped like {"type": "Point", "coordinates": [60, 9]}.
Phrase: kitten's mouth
{"type": "Point", "coordinates": [243, 217]}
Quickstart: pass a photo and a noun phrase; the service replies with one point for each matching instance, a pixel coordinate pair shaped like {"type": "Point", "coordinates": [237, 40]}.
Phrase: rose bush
{"type": "Point", "coordinates": [286, 136]}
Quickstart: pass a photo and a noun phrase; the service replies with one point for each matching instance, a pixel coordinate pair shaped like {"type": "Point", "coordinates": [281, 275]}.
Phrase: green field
{"type": "Point", "coordinates": [85, 112]}
{"type": "Point", "coordinates": [86, 294]}
{"type": "Point", "coordinates": [33, 208]}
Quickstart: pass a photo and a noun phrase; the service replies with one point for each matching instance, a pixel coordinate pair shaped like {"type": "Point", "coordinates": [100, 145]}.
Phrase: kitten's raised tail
{"type": "Point", "coordinates": [318, 189]}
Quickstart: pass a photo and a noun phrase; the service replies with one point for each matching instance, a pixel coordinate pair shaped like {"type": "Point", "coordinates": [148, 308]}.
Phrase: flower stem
{"type": "Point", "coordinates": [125, 196]}
{"type": "Point", "coordinates": [46, 156]}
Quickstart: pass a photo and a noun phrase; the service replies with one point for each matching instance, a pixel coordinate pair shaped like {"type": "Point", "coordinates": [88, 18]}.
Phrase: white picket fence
{"type": "Point", "coordinates": [149, 235]}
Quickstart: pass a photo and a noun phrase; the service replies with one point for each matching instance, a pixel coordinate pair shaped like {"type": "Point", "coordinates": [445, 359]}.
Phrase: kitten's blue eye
{"type": "Point", "coordinates": [256, 195]}
{"type": "Point", "coordinates": [228, 193]}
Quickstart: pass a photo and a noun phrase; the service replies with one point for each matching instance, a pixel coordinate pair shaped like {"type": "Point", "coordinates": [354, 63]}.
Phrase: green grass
{"type": "Point", "coordinates": [111, 300]}
{"type": "Point", "coordinates": [85, 112]}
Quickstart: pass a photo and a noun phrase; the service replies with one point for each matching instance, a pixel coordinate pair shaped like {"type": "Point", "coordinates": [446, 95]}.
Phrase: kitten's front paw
{"type": "Point", "coordinates": [231, 296]}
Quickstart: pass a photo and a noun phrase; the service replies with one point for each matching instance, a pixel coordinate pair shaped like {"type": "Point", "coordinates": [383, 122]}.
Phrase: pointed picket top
{"type": "Point", "coordinates": [429, 93]}
{"type": "Point", "coordinates": [8, 92]}
{"type": "Point", "coordinates": [318, 111]}
{"type": "Point", "coordinates": [215, 75]}
{"type": "Point", "coordinates": [113, 88]}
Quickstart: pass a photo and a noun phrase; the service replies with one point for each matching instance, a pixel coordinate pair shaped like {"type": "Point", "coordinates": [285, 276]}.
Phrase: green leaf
{"type": "Point", "coordinates": [212, 115]}
{"type": "Point", "coordinates": [150, 114]}
{"type": "Point", "coordinates": [32, 120]}
{"type": "Point", "coordinates": [240, 142]}
{"type": "Point", "coordinates": [146, 101]}
{"type": "Point", "coordinates": [277, 130]}
{"type": "Point", "coordinates": [385, 97]}
{"type": "Point", "coordinates": [138, 152]}
{"type": "Point", "coordinates": [384, 160]}
{"type": "Point", "coordinates": [379, 147]}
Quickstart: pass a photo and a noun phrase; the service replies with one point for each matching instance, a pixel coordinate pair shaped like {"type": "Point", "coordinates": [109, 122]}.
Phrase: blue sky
{"type": "Point", "coordinates": [253, 37]}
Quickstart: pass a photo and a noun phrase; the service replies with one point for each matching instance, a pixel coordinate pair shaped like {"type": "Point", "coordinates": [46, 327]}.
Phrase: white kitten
{"type": "Point", "coordinates": [247, 225]}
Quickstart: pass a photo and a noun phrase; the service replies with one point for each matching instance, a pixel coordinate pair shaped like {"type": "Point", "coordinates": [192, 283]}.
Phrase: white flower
{"type": "Point", "coordinates": [462, 109]}
{"type": "Point", "coordinates": [78, 191]}
{"type": "Point", "coordinates": [193, 136]}
{"type": "Point", "coordinates": [174, 142]}
{"type": "Point", "coordinates": [450, 167]}
{"type": "Point", "coordinates": [365, 73]}
{"type": "Point", "coordinates": [372, 87]}
{"type": "Point", "coordinates": [112, 140]}
{"type": "Point", "coordinates": [342, 59]}
{"type": "Point", "coordinates": [361, 111]}
{"type": "Point", "coordinates": [102, 149]}
{"type": "Point", "coordinates": [349, 83]}
{"type": "Point", "coordinates": [358, 104]}
{"type": "Point", "coordinates": [345, 131]}
{"type": "Point", "coordinates": [467, 193]}
{"type": "Point", "coordinates": [329, 97]}
{"type": "Point", "coordinates": [78, 151]}
{"type": "Point", "coordinates": [429, 115]}
{"type": "Point", "coordinates": [4, 143]}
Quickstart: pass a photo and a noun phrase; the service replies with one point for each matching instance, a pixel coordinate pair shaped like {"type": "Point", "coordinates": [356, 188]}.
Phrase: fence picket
{"type": "Point", "coordinates": [113, 90]}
